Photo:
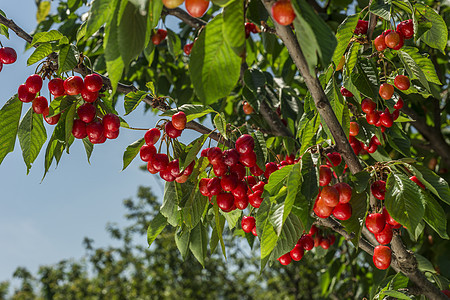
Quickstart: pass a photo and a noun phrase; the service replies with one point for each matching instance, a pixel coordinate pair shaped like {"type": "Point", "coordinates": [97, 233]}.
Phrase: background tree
{"type": "Point", "coordinates": [304, 86]}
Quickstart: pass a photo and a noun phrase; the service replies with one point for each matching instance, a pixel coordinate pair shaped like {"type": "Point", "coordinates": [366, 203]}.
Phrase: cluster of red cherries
{"type": "Point", "coordinates": [159, 162]}
{"type": "Point", "coordinates": [7, 56]}
{"type": "Point", "coordinates": [395, 39]}
{"type": "Point", "coordinates": [305, 243]}
{"type": "Point", "coordinates": [232, 188]}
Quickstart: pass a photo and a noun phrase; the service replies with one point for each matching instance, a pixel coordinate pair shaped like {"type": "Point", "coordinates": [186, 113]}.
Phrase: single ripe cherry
{"type": "Point", "coordinates": [297, 253]}
{"type": "Point", "coordinates": [225, 201]}
{"type": "Point", "coordinates": [248, 159]}
{"type": "Point", "coordinates": [342, 211]}
{"type": "Point", "coordinates": [111, 134]}
{"type": "Point", "coordinates": [214, 186]}
{"type": "Point", "coordinates": [345, 92]}
{"type": "Point", "coordinates": [230, 157]}
{"type": "Point", "coordinates": [400, 43]}
{"type": "Point", "coordinates": [321, 209]}
{"type": "Point", "coordinates": [152, 135]}
{"type": "Point", "coordinates": [386, 119]}
{"type": "Point", "coordinates": [324, 243]}
{"type": "Point", "coordinates": [285, 259]}
{"type": "Point", "coordinates": [73, 85]}
{"type": "Point", "coordinates": [375, 222]}
{"type": "Point", "coordinates": [160, 161]}
{"type": "Point", "coordinates": [385, 236]}
{"type": "Point", "coordinates": [386, 91]}
{"type": "Point", "coordinates": [361, 27]}
{"type": "Point", "coordinates": [324, 175]}
{"type": "Point", "coordinates": [255, 199]}
{"type": "Point", "coordinates": [229, 182]}
{"type": "Point", "coordinates": [307, 242]}
{"type": "Point", "coordinates": [215, 155]}
{"type": "Point", "coordinates": [247, 108]}
{"type": "Point", "coordinates": [188, 48]}
{"type": "Point", "coordinates": [86, 112]}
{"type": "Point", "coordinates": [382, 257]}
{"type": "Point", "coordinates": [159, 36]}
{"type": "Point", "coordinates": [196, 8]}
{"type": "Point", "coordinates": [368, 105]}
{"type": "Point", "coordinates": [270, 168]}
{"type": "Point", "coordinates": [8, 55]}
{"type": "Point", "coordinates": [24, 95]}
{"type": "Point", "coordinates": [179, 120]}
{"type": "Point", "coordinates": [345, 192]}
{"type": "Point", "coordinates": [203, 187]}
{"type": "Point", "coordinates": [34, 83]}
{"type": "Point", "coordinates": [95, 131]}
{"type": "Point", "coordinates": [378, 189]}
{"type": "Point", "coordinates": [330, 196]}
{"type": "Point", "coordinates": [335, 159]}
{"type": "Point", "coordinates": [399, 104]}
{"type": "Point", "coordinates": [250, 28]}
{"type": "Point", "coordinates": [93, 82]}
{"type": "Point", "coordinates": [392, 39]}
{"type": "Point", "coordinates": [56, 87]}
{"type": "Point", "coordinates": [171, 131]}
{"type": "Point", "coordinates": [379, 43]}
{"type": "Point", "coordinates": [406, 28]}
{"type": "Point", "coordinates": [402, 82]}
{"type": "Point", "coordinates": [245, 144]}
{"type": "Point", "coordinates": [89, 96]}
{"type": "Point", "coordinates": [166, 175]}
{"type": "Point", "coordinates": [240, 190]}
{"type": "Point", "coordinates": [79, 129]}
{"type": "Point", "coordinates": [254, 231]}
{"type": "Point", "coordinates": [172, 3]}
{"type": "Point", "coordinates": [248, 223]}
{"type": "Point", "coordinates": [174, 168]}
{"type": "Point", "coordinates": [239, 170]}
{"type": "Point", "coordinates": [354, 128]}
{"type": "Point", "coordinates": [40, 104]}
{"type": "Point", "coordinates": [111, 122]}
{"type": "Point", "coordinates": [373, 117]}
{"type": "Point", "coordinates": [283, 13]}
{"type": "Point", "coordinates": [50, 120]}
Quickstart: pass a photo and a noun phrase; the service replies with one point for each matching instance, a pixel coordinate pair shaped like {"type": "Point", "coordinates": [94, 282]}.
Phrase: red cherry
{"type": "Point", "coordinates": [1, 66]}
{"type": "Point", "coordinates": [390, 220]}
{"type": "Point", "coordinates": [385, 236]}
{"type": "Point", "coordinates": [325, 243]}
{"type": "Point", "coordinates": [182, 179]}
{"type": "Point", "coordinates": [406, 28]}
{"type": "Point", "coordinates": [179, 120]}
{"type": "Point", "coordinates": [203, 187]}
{"type": "Point", "coordinates": [321, 209]}
{"type": "Point", "coordinates": [34, 83]}
{"type": "Point", "coordinates": [152, 135]}
{"type": "Point", "coordinates": [8, 55]}
{"type": "Point", "coordinates": [39, 104]}
{"type": "Point", "coordinates": [375, 222]}
{"type": "Point", "coordinates": [86, 112]}
{"type": "Point", "coordinates": [345, 192]}
{"type": "Point", "coordinates": [248, 159]}
{"type": "Point", "coordinates": [225, 201]}
{"type": "Point", "coordinates": [93, 82]}
{"type": "Point", "coordinates": [214, 186]}
{"type": "Point", "coordinates": [95, 131]}
{"type": "Point", "coordinates": [402, 82]}
{"type": "Point", "coordinates": [307, 242]}
{"type": "Point", "coordinates": [79, 129]}
{"type": "Point", "coordinates": [345, 92]}
{"type": "Point", "coordinates": [73, 85]}
{"type": "Point", "coordinates": [375, 140]}
{"type": "Point", "coordinates": [378, 189]}
{"type": "Point", "coordinates": [174, 168]}
{"type": "Point", "coordinates": [229, 182]}
{"type": "Point", "coordinates": [240, 191]}
{"type": "Point", "coordinates": [220, 169]}
{"type": "Point", "coordinates": [111, 122]}
{"type": "Point", "coordinates": [215, 155]}
{"type": "Point", "coordinates": [283, 13]}
{"type": "Point", "coordinates": [379, 43]}
{"type": "Point", "coordinates": [196, 8]}
{"type": "Point", "coordinates": [392, 39]}
{"type": "Point", "coordinates": [56, 87]}
{"type": "Point", "coordinates": [368, 105]}
{"type": "Point", "coordinates": [159, 36]}
{"type": "Point", "coordinates": [250, 28]}
{"type": "Point", "coordinates": [239, 170]}
{"type": "Point", "coordinates": [386, 119]}
{"type": "Point", "coordinates": [89, 96]}
{"type": "Point", "coordinates": [259, 186]}
{"type": "Point", "coordinates": [241, 203]}
{"type": "Point", "coordinates": [399, 104]}
{"type": "Point", "coordinates": [354, 128]}
{"type": "Point", "coordinates": [317, 240]}
{"type": "Point", "coordinates": [297, 253]}
{"type": "Point", "coordinates": [270, 168]}
{"type": "Point", "coordinates": [245, 144]}
{"type": "Point", "coordinates": [254, 231]}
{"type": "Point", "coordinates": [256, 171]}
{"type": "Point", "coordinates": [150, 168]}
{"type": "Point", "coordinates": [361, 27]}
{"type": "Point", "coordinates": [247, 108]}
{"type": "Point", "coordinates": [250, 180]}
{"type": "Point", "coordinates": [382, 257]}
{"type": "Point", "coordinates": [386, 91]}
{"type": "Point", "coordinates": [330, 196]}
{"type": "Point", "coordinates": [188, 48]}
{"type": "Point", "coordinates": [189, 169]}
{"type": "Point", "coordinates": [160, 161]}
{"type": "Point", "coordinates": [417, 181]}
{"type": "Point", "coordinates": [285, 259]}
{"type": "Point", "coordinates": [166, 175]}
{"type": "Point", "coordinates": [342, 211]}
{"type": "Point", "coordinates": [446, 293]}
{"type": "Point", "coordinates": [324, 175]}
{"type": "Point", "coordinates": [230, 157]}
{"type": "Point", "coordinates": [171, 131]}
{"type": "Point", "coordinates": [248, 223]}
{"type": "Point", "coordinates": [111, 134]}
{"type": "Point", "coordinates": [401, 42]}
{"type": "Point", "coordinates": [372, 147]}
{"type": "Point", "coordinates": [373, 117]}
{"type": "Point", "coordinates": [335, 159]}
{"type": "Point", "coordinates": [255, 199]}
{"type": "Point", "coordinates": [24, 95]}
{"type": "Point", "coordinates": [50, 120]}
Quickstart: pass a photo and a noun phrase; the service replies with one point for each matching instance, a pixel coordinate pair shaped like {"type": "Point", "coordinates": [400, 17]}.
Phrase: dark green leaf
{"type": "Point", "coordinates": [88, 147]}
{"type": "Point", "coordinates": [254, 79]}
{"type": "Point", "coordinates": [414, 71]}
{"type": "Point", "coordinates": [310, 186]}
{"type": "Point", "coordinates": [132, 100]}
{"type": "Point", "coordinates": [193, 151]}
{"type": "Point", "coordinates": [366, 80]}
{"type": "Point", "coordinates": [360, 205]}
{"type": "Point", "coordinates": [260, 149]}
{"type": "Point", "coordinates": [199, 242]}
{"type": "Point", "coordinates": [61, 104]}
{"type": "Point", "coordinates": [399, 140]}
{"type": "Point", "coordinates": [432, 181]}
{"type": "Point", "coordinates": [294, 181]}
{"type": "Point", "coordinates": [169, 207]}
{"type": "Point", "coordinates": [9, 124]}
{"type": "Point", "coordinates": [173, 43]}
{"type": "Point", "coordinates": [155, 227]}
{"type": "Point", "coordinates": [360, 180]}
{"type": "Point", "coordinates": [66, 58]}
{"type": "Point", "coordinates": [425, 64]}
{"type": "Point", "coordinates": [343, 35]}
{"type": "Point", "coordinates": [381, 8]}
{"type": "Point", "coordinates": [233, 25]}
{"type": "Point", "coordinates": [131, 152]}
{"type": "Point", "coordinates": [182, 237]}
{"type": "Point", "coordinates": [435, 215]}
{"type": "Point", "coordinates": [114, 62]}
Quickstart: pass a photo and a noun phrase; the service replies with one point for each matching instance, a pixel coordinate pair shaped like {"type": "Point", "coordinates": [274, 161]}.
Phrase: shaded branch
{"type": "Point", "coordinates": [184, 16]}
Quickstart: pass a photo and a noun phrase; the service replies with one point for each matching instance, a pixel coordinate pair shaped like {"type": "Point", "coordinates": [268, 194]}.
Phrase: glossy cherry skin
{"type": "Point", "coordinates": [402, 82]}
{"type": "Point", "coordinates": [342, 211]}
{"type": "Point", "coordinates": [150, 168]}
{"type": "Point", "coordinates": [86, 112]}
{"type": "Point", "coordinates": [285, 259]}
{"type": "Point", "coordinates": [321, 209]}
{"type": "Point", "coordinates": [406, 28]}
{"type": "Point", "coordinates": [34, 83]}
{"type": "Point", "coordinates": [373, 117]}
{"type": "Point", "coordinates": [245, 144]}
{"type": "Point", "coordinates": [8, 55]}
{"type": "Point", "coordinates": [159, 36]}
{"type": "Point", "coordinates": [386, 91]}
{"type": "Point", "coordinates": [330, 196]}
{"type": "Point", "coordinates": [335, 159]}
{"type": "Point", "coordinates": [88, 96]}
{"type": "Point", "coordinates": [214, 186]}
{"type": "Point", "coordinates": [230, 157]}
{"type": "Point", "coordinates": [361, 27]}
{"type": "Point", "coordinates": [255, 199]}
{"type": "Point", "coordinates": [324, 175]}
{"type": "Point", "coordinates": [229, 182]}
{"type": "Point", "coordinates": [24, 95]}
{"type": "Point", "coordinates": [50, 120]}
{"type": "Point", "coordinates": [174, 168]}
{"type": "Point", "coordinates": [241, 203]}
{"type": "Point", "coordinates": [417, 181]}
{"type": "Point", "coordinates": [354, 128]}
{"type": "Point", "coordinates": [375, 222]}
{"type": "Point", "coordinates": [240, 190]}
{"type": "Point", "coordinates": [324, 243]}
{"type": "Point", "coordinates": [160, 161]}
{"type": "Point", "coordinates": [382, 257]}
{"type": "Point", "coordinates": [215, 155]}
{"type": "Point", "coordinates": [79, 129]}
{"type": "Point", "coordinates": [248, 159]}
{"type": "Point", "coordinates": [270, 168]}
{"type": "Point", "coordinates": [179, 120]}
{"type": "Point", "coordinates": [73, 85]}
{"type": "Point", "coordinates": [203, 187]}
{"type": "Point", "coordinates": [95, 132]}
{"type": "Point", "coordinates": [390, 220]}
{"type": "Point", "coordinates": [385, 236]}
{"type": "Point", "coordinates": [167, 175]}
{"type": "Point", "coordinates": [247, 108]}
{"type": "Point", "coordinates": [40, 104]}
{"type": "Point", "coordinates": [256, 171]}
{"type": "Point", "coordinates": [307, 242]}
{"type": "Point", "coordinates": [111, 134]}
{"type": "Point", "coordinates": [172, 3]}
{"type": "Point", "coordinates": [93, 82]}
{"type": "Point", "coordinates": [152, 135]}
{"type": "Point", "coordinates": [248, 223]}
{"type": "Point", "coordinates": [196, 8]}
{"type": "Point", "coordinates": [171, 131]}
{"type": "Point", "coordinates": [188, 48]}
{"type": "Point", "coordinates": [111, 122]}
{"type": "Point", "coordinates": [368, 105]}
{"type": "Point", "coordinates": [386, 119]}
{"type": "Point", "coordinates": [400, 43]}
{"type": "Point", "coordinates": [378, 189]}
{"type": "Point", "coordinates": [297, 253]}
{"type": "Point", "coordinates": [379, 43]}
{"type": "Point", "coordinates": [283, 12]}
{"type": "Point", "coordinates": [345, 192]}
{"type": "Point", "coordinates": [220, 169]}
{"type": "Point", "coordinates": [392, 39]}
{"type": "Point", "coordinates": [399, 104]}
{"type": "Point", "coordinates": [239, 170]}
{"type": "Point", "coordinates": [225, 201]}
{"type": "Point", "coordinates": [345, 92]}
{"type": "Point", "coordinates": [56, 87]}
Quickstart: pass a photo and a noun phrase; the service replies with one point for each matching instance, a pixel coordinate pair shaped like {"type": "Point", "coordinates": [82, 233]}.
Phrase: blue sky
{"type": "Point", "coordinates": [42, 223]}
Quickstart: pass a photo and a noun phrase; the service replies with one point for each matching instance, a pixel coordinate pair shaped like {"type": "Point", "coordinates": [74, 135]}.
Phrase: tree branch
{"type": "Point", "coordinates": [185, 17]}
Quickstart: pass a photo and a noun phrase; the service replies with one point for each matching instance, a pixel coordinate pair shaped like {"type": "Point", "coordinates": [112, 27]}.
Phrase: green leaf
{"type": "Point", "coordinates": [169, 207]}
{"type": "Point", "coordinates": [424, 62]}
{"type": "Point", "coordinates": [277, 180]}
{"type": "Point", "coordinates": [437, 36]}
{"type": "Point", "coordinates": [197, 144]}
{"type": "Point", "coordinates": [360, 205]}
{"type": "Point", "coordinates": [131, 152]}
{"type": "Point", "coordinates": [233, 25]}
{"type": "Point", "coordinates": [153, 16]}
{"type": "Point", "coordinates": [343, 36]}
{"type": "Point", "coordinates": [216, 235]}
{"type": "Point", "coordinates": [232, 217]}
{"type": "Point", "coordinates": [198, 243]}
{"type": "Point", "coordinates": [310, 186]}
{"type": "Point", "coordinates": [435, 215]}
{"type": "Point", "coordinates": [32, 136]}
{"type": "Point", "coordinates": [194, 205]}
{"type": "Point", "coordinates": [291, 232]}
{"type": "Point", "coordinates": [182, 237]}
{"type": "Point", "coordinates": [294, 181]}
{"type": "Point", "coordinates": [88, 147]}
{"type": "Point", "coordinates": [3, 28]}
{"type": "Point", "coordinates": [41, 52]}
{"type": "Point", "coordinates": [45, 37]}
{"type": "Point", "coordinates": [266, 233]}
{"type": "Point", "coordinates": [414, 71]}
{"type": "Point", "coordinates": [361, 180]}
{"type": "Point", "coordinates": [260, 149]}
{"type": "Point", "coordinates": [100, 13]}
{"type": "Point", "coordinates": [420, 23]}
{"type": "Point", "coordinates": [402, 201]}
{"type": "Point", "coordinates": [436, 184]}
{"type": "Point", "coordinates": [399, 140]}
{"type": "Point", "coordinates": [155, 227]}
{"type": "Point", "coordinates": [322, 40]}
{"type": "Point", "coordinates": [132, 100]}
{"type": "Point", "coordinates": [61, 104]}
{"type": "Point", "coordinates": [381, 8]}
{"type": "Point", "coordinates": [393, 294]}
{"type": "Point", "coordinates": [192, 111]}
{"type": "Point", "coordinates": [309, 132]}
{"type": "Point", "coordinates": [114, 62]}
{"type": "Point", "coordinates": [67, 58]}
{"type": "Point", "coordinates": [221, 124]}
{"type": "Point", "coordinates": [174, 43]}
{"type": "Point", "coordinates": [424, 264]}
{"type": "Point", "coordinates": [43, 11]}
{"type": "Point", "coordinates": [221, 3]}
{"type": "Point", "coordinates": [366, 80]}
{"type": "Point", "coordinates": [9, 124]}
{"type": "Point", "coordinates": [211, 58]}
{"type": "Point", "coordinates": [70, 116]}
{"type": "Point", "coordinates": [254, 79]}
